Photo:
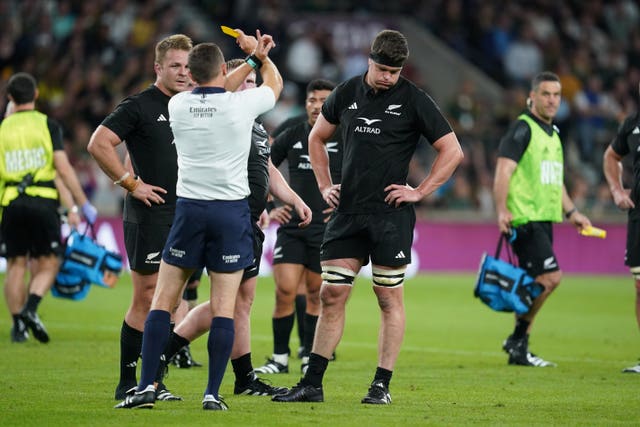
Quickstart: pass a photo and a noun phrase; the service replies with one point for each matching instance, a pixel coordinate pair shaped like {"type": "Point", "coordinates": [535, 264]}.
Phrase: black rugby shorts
{"type": "Point", "coordinates": [31, 226]}
{"type": "Point", "coordinates": [144, 244]}
{"type": "Point", "coordinates": [534, 248]}
{"type": "Point", "coordinates": [385, 237]}
{"type": "Point", "coordinates": [258, 240]}
{"type": "Point", "coordinates": [632, 256]}
{"type": "Point", "coordinates": [299, 246]}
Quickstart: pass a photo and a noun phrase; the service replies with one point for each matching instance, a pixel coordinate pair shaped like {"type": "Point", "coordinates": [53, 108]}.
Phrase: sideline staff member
{"type": "Point", "coordinates": [31, 155]}
{"type": "Point", "coordinates": [530, 196]}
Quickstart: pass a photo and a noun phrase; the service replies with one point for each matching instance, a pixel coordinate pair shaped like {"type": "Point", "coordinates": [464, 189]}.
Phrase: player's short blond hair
{"type": "Point", "coordinates": [234, 63]}
{"type": "Point", "coordinates": [175, 41]}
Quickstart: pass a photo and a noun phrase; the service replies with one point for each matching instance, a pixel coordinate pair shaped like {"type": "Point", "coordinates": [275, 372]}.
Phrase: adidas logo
{"type": "Point", "coordinates": [353, 106]}
{"type": "Point", "coordinates": [162, 118]}
{"type": "Point", "coordinates": [636, 131]}
{"type": "Point", "coordinates": [298, 145]}
{"type": "Point", "coordinates": [400, 255]}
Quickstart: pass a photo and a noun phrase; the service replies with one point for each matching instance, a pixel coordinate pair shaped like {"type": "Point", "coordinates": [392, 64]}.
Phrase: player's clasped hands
{"type": "Point", "coordinates": [304, 212]}
{"type": "Point", "coordinates": [148, 194]}
{"type": "Point", "coordinates": [397, 194]}
{"type": "Point", "coordinates": [281, 214]}
{"type": "Point", "coordinates": [328, 212]}
{"type": "Point", "coordinates": [331, 195]}
{"type": "Point", "coordinates": [622, 199]}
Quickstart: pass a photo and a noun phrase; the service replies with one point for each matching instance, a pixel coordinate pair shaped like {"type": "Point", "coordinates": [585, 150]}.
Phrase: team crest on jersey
{"type": "Point", "coordinates": [391, 109]}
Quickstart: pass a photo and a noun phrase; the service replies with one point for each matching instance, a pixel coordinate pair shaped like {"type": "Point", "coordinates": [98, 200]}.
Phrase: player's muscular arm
{"type": "Point", "coordinates": [320, 133]}
{"type": "Point", "coordinates": [102, 146]}
{"type": "Point", "coordinates": [612, 167]}
{"type": "Point", "coordinates": [279, 187]}
{"type": "Point", "coordinates": [447, 160]}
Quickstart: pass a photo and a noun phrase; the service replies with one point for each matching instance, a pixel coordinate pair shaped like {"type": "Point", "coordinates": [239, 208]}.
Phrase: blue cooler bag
{"type": "Point", "coordinates": [85, 262]}
{"type": "Point", "coordinates": [503, 286]}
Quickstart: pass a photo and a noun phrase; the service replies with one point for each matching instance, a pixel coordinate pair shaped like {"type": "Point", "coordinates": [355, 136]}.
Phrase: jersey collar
{"type": "Point", "coordinates": [548, 128]}
{"type": "Point", "coordinates": [368, 90]}
{"type": "Point", "coordinates": [207, 89]}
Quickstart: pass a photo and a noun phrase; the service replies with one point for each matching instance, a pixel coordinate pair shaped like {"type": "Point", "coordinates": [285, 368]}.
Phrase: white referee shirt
{"type": "Point", "coordinates": [212, 134]}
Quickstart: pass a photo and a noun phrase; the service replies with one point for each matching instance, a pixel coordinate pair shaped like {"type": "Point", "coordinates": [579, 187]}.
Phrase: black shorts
{"type": "Point", "coordinates": [534, 248]}
{"type": "Point", "coordinates": [299, 246]}
{"type": "Point", "coordinates": [31, 226]}
{"type": "Point", "coordinates": [144, 244]}
{"type": "Point", "coordinates": [258, 240]}
{"type": "Point", "coordinates": [385, 237]}
{"type": "Point", "coordinates": [632, 255]}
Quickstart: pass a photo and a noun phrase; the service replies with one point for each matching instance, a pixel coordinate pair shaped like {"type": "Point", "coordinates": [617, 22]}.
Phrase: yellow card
{"type": "Point", "coordinates": [594, 232]}
{"type": "Point", "coordinates": [229, 31]}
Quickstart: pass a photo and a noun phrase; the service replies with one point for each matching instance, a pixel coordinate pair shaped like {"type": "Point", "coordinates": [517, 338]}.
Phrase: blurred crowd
{"type": "Point", "coordinates": [87, 56]}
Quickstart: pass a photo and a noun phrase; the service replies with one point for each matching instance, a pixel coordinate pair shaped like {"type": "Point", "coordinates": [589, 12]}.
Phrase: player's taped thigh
{"type": "Point", "coordinates": [388, 278]}
{"type": "Point", "coordinates": [635, 272]}
{"type": "Point", "coordinates": [336, 276]}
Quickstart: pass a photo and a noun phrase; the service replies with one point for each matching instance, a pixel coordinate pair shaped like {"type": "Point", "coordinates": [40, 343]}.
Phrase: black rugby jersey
{"type": "Point", "coordinates": [380, 133]}
{"type": "Point", "coordinates": [300, 118]}
{"type": "Point", "coordinates": [258, 170]}
{"type": "Point", "coordinates": [293, 145]}
{"type": "Point", "coordinates": [142, 122]}
{"type": "Point", "coordinates": [627, 141]}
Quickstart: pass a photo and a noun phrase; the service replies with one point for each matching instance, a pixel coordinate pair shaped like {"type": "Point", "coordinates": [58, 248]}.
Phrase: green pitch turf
{"type": "Point", "coordinates": [451, 370]}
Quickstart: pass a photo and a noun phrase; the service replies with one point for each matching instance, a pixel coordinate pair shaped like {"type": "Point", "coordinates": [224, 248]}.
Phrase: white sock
{"type": "Point", "coordinates": [282, 359]}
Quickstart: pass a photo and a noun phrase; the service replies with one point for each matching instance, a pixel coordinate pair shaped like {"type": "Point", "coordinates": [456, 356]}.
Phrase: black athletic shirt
{"type": "Point", "coordinates": [293, 145]}
{"type": "Point", "coordinates": [142, 121]}
{"type": "Point", "coordinates": [380, 133]}
{"type": "Point", "coordinates": [258, 169]}
{"type": "Point", "coordinates": [627, 141]}
{"type": "Point", "coordinates": [300, 118]}
{"type": "Point", "coordinates": [515, 142]}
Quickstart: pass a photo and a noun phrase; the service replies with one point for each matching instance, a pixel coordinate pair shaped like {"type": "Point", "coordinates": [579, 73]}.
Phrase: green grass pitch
{"type": "Point", "coordinates": [451, 370]}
